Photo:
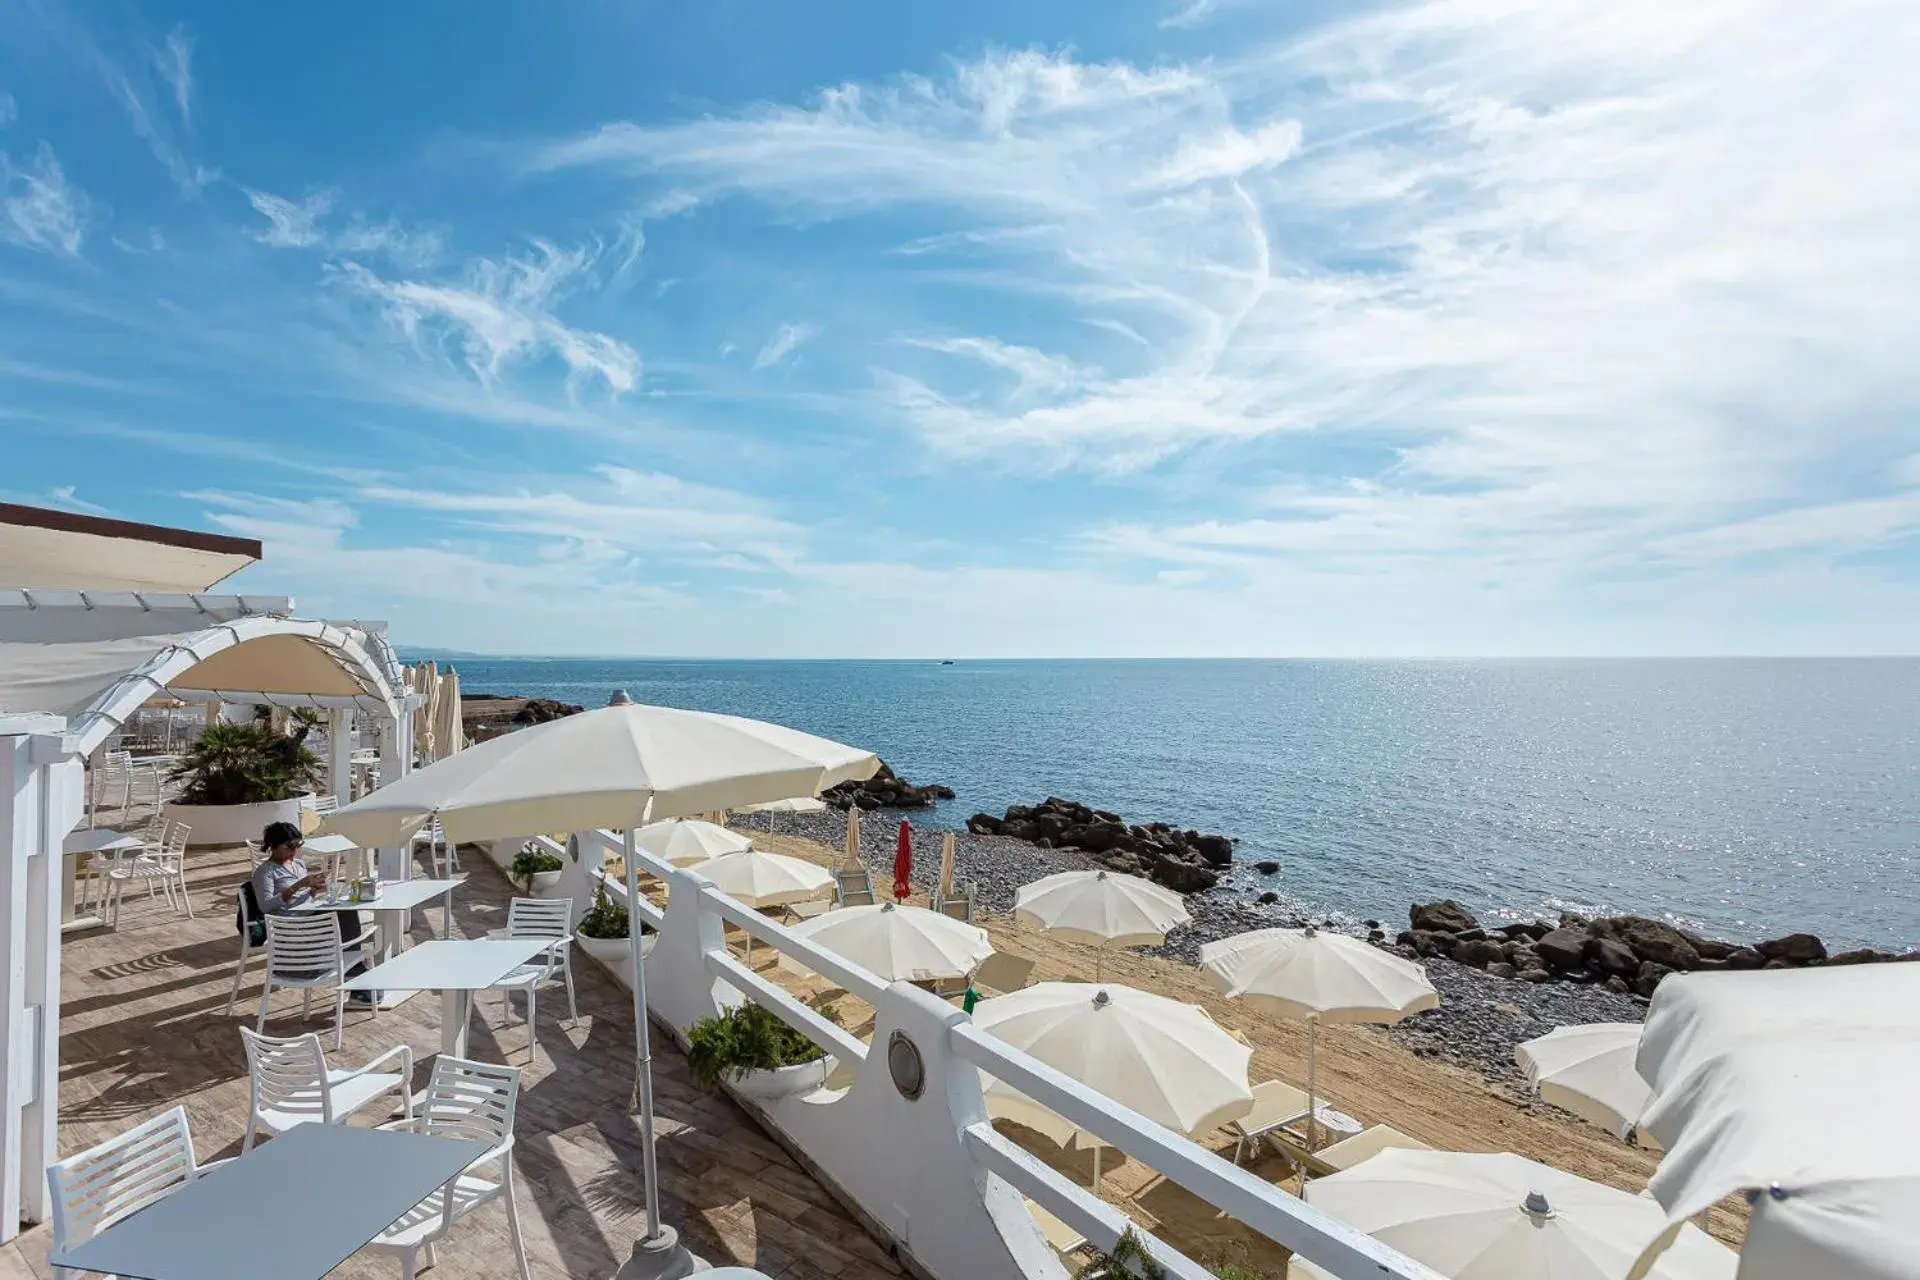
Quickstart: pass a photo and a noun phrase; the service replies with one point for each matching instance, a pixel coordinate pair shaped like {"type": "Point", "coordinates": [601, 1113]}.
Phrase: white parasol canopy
{"type": "Point", "coordinates": [1589, 1071]}
{"type": "Point", "coordinates": [1796, 1087]}
{"type": "Point", "coordinates": [686, 841]}
{"type": "Point", "coordinates": [618, 766]}
{"type": "Point", "coordinates": [792, 804]}
{"type": "Point", "coordinates": [1320, 977]}
{"type": "Point", "coordinates": [900, 944]}
{"type": "Point", "coordinates": [762, 879]}
{"type": "Point", "coordinates": [1501, 1217]}
{"type": "Point", "coordinates": [1101, 907]}
{"type": "Point", "coordinates": [1167, 1060]}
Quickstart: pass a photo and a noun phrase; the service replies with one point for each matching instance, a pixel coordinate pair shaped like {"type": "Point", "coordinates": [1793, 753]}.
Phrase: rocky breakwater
{"type": "Point", "coordinates": [1184, 861]}
{"type": "Point", "coordinates": [885, 790]}
{"type": "Point", "coordinates": [1623, 953]}
{"type": "Point", "coordinates": [488, 715]}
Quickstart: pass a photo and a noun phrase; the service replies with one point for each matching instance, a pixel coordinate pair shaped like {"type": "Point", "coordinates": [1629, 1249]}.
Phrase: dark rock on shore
{"type": "Point", "coordinates": [885, 790]}
{"type": "Point", "coordinates": [488, 715]}
{"type": "Point", "coordinates": [1620, 952]}
{"type": "Point", "coordinates": [1184, 861]}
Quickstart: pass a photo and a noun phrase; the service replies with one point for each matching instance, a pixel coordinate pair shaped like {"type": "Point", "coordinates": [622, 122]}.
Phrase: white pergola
{"type": "Point", "coordinates": [76, 661]}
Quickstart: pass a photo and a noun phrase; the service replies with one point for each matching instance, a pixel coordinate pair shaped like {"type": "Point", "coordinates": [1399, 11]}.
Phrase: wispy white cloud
{"type": "Point", "coordinates": [9, 110]}
{"type": "Point", "coordinates": [409, 247]}
{"type": "Point", "coordinates": [174, 62]}
{"type": "Point", "coordinates": [500, 313]}
{"type": "Point", "coordinates": [785, 341]}
{"type": "Point", "coordinates": [292, 224]}
{"type": "Point", "coordinates": [39, 208]}
{"type": "Point", "coordinates": [1034, 371]}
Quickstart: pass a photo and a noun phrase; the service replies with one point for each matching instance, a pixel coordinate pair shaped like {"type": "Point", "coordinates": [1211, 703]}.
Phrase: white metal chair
{"type": "Point", "coordinates": [113, 773]}
{"type": "Point", "coordinates": [123, 1175]}
{"type": "Point", "coordinates": [246, 913]}
{"type": "Point", "coordinates": [322, 804]}
{"type": "Point", "coordinates": [443, 858]}
{"type": "Point", "coordinates": [97, 887]}
{"type": "Point", "coordinates": [474, 1101]}
{"type": "Point", "coordinates": [550, 918]}
{"type": "Point", "coordinates": [292, 1084]}
{"type": "Point", "coordinates": [306, 952]}
{"type": "Point", "coordinates": [164, 863]}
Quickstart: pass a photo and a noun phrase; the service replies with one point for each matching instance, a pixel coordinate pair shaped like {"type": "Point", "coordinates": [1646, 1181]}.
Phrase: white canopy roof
{"type": "Point", "coordinates": [42, 548]}
{"type": "Point", "coordinates": [1802, 1088]}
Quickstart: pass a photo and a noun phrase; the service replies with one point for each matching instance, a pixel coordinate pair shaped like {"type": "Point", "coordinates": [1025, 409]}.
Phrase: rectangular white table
{"type": "Point", "coordinates": [391, 901]}
{"type": "Point", "coordinates": [83, 844]}
{"type": "Point", "coordinates": [456, 969]}
{"type": "Point", "coordinates": [294, 1208]}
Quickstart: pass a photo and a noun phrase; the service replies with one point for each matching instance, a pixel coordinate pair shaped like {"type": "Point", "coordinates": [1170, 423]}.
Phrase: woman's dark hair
{"type": "Point", "coordinates": [279, 833]}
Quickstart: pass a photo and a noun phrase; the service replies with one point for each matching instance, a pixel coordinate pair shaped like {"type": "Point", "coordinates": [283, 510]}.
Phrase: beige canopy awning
{"type": "Point", "coordinates": [43, 548]}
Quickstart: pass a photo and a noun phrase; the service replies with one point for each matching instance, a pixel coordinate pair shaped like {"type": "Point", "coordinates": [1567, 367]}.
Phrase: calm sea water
{"type": "Point", "coordinates": [1743, 796]}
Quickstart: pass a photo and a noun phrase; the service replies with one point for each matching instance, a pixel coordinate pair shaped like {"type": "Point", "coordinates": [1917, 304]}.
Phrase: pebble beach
{"type": "Point", "coordinates": [1480, 1019]}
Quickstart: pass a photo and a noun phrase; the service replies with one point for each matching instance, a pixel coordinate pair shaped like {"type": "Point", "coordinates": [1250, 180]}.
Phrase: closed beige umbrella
{"type": "Point", "coordinates": [852, 847]}
{"type": "Point", "coordinates": [1319, 977]}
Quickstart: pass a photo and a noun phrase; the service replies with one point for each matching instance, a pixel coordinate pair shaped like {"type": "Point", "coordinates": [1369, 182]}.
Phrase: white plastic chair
{"type": "Point", "coordinates": [247, 950]}
{"type": "Point", "coordinates": [474, 1101]}
{"type": "Point", "coordinates": [443, 858]}
{"type": "Point", "coordinates": [292, 1084]}
{"type": "Point", "coordinates": [114, 772]}
{"type": "Point", "coordinates": [123, 1175]}
{"type": "Point", "coordinates": [164, 864]}
{"type": "Point", "coordinates": [550, 918]}
{"type": "Point", "coordinates": [306, 952]}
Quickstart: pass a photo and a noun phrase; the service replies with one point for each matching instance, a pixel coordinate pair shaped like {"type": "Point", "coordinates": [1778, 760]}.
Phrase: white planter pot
{"type": "Point", "coordinates": [232, 823]}
{"type": "Point", "coordinates": [764, 1086]}
{"type": "Point", "coordinates": [608, 951]}
{"type": "Point", "coordinates": [546, 883]}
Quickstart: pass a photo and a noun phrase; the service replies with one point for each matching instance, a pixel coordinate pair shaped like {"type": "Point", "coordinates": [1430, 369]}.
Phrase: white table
{"type": "Point", "coordinates": [246, 1219]}
{"type": "Point", "coordinates": [390, 903]}
{"type": "Point", "coordinates": [333, 848]}
{"type": "Point", "coordinates": [84, 843]}
{"type": "Point", "coordinates": [456, 969]}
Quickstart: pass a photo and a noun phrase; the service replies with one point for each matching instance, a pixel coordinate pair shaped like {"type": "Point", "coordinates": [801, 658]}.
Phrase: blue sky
{"type": "Point", "coordinates": [1180, 327]}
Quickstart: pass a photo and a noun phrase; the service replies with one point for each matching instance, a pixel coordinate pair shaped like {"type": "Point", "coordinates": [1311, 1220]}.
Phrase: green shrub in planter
{"type": "Point", "coordinates": [606, 919]}
{"type": "Point", "coordinates": [531, 861]}
{"type": "Point", "coordinates": [246, 764]}
{"type": "Point", "coordinates": [744, 1039]}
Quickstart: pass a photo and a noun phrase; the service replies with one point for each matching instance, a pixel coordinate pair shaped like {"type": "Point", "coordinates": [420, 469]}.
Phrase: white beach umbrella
{"type": "Point", "coordinates": [1795, 1087]}
{"type": "Point", "coordinates": [1167, 1060]}
{"type": "Point", "coordinates": [1501, 1217]}
{"type": "Point", "coordinates": [685, 841]}
{"type": "Point", "coordinates": [619, 766]}
{"type": "Point", "coordinates": [1104, 908]}
{"type": "Point", "coordinates": [898, 943]}
{"type": "Point", "coordinates": [1319, 977]}
{"type": "Point", "coordinates": [792, 804]}
{"type": "Point", "coordinates": [1589, 1071]}
{"type": "Point", "coordinates": [761, 879]}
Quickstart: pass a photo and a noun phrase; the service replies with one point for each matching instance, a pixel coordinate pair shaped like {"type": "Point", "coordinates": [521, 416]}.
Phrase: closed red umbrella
{"type": "Point", "coordinates": [903, 863]}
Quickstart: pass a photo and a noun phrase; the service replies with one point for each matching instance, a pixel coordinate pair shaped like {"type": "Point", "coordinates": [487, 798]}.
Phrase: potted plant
{"type": "Point", "coordinates": [758, 1053]}
{"type": "Point", "coordinates": [603, 930]}
{"type": "Point", "coordinates": [536, 870]}
{"type": "Point", "coordinates": [236, 778]}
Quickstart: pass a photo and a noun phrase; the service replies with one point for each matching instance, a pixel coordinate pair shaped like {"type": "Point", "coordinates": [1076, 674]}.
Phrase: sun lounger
{"type": "Point", "coordinates": [999, 973]}
{"type": "Point", "coordinates": [1064, 1240]}
{"type": "Point", "coordinates": [1275, 1103]}
{"type": "Point", "coordinates": [1348, 1152]}
{"type": "Point", "coordinates": [799, 911]}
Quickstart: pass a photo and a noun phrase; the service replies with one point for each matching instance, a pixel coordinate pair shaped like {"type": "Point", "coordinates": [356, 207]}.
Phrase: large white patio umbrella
{"type": "Point", "coordinates": [1318, 977]}
{"type": "Point", "coordinates": [621, 767]}
{"type": "Point", "coordinates": [762, 879]}
{"type": "Point", "coordinates": [1589, 1071]}
{"type": "Point", "coordinates": [685, 841]}
{"type": "Point", "coordinates": [899, 943]}
{"type": "Point", "coordinates": [1167, 1060]}
{"type": "Point", "coordinates": [1501, 1217]}
{"type": "Point", "coordinates": [1104, 908]}
{"type": "Point", "coordinates": [1796, 1088]}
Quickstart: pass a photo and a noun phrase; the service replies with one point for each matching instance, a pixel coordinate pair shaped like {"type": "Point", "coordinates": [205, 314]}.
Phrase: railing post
{"type": "Point", "coordinates": [679, 988]}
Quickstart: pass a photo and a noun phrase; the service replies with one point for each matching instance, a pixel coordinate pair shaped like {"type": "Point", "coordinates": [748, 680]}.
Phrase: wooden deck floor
{"type": "Point", "coordinates": [143, 1026]}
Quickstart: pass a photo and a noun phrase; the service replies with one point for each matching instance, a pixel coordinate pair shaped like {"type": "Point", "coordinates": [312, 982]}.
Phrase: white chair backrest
{"type": "Point", "coordinates": [540, 917]}
{"type": "Point", "coordinates": [255, 854]}
{"type": "Point", "coordinates": [472, 1100]}
{"type": "Point", "coordinates": [324, 804]}
{"type": "Point", "coordinates": [301, 944]}
{"type": "Point", "coordinates": [101, 1185]}
{"type": "Point", "coordinates": [115, 763]}
{"type": "Point", "coordinates": [289, 1075]}
{"type": "Point", "coordinates": [175, 841]}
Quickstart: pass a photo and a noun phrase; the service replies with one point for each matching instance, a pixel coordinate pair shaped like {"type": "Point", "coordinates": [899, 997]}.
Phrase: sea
{"type": "Point", "coordinates": [1743, 797]}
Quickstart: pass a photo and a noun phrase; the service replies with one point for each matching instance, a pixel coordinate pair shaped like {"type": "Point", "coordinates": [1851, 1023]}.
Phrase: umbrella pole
{"type": "Point", "coordinates": [643, 1048]}
{"type": "Point", "coordinates": [1313, 1103]}
{"type": "Point", "coordinates": [1096, 1171]}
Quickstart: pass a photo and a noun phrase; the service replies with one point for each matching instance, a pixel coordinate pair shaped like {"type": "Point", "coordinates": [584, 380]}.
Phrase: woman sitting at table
{"type": "Point", "coordinates": [282, 882]}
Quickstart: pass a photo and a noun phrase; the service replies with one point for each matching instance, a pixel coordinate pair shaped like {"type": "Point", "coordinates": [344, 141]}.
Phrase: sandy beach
{"type": "Point", "coordinates": [1399, 1077]}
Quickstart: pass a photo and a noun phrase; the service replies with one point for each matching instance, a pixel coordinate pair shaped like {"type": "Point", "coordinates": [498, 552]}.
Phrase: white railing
{"type": "Point", "coordinates": [925, 1166]}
